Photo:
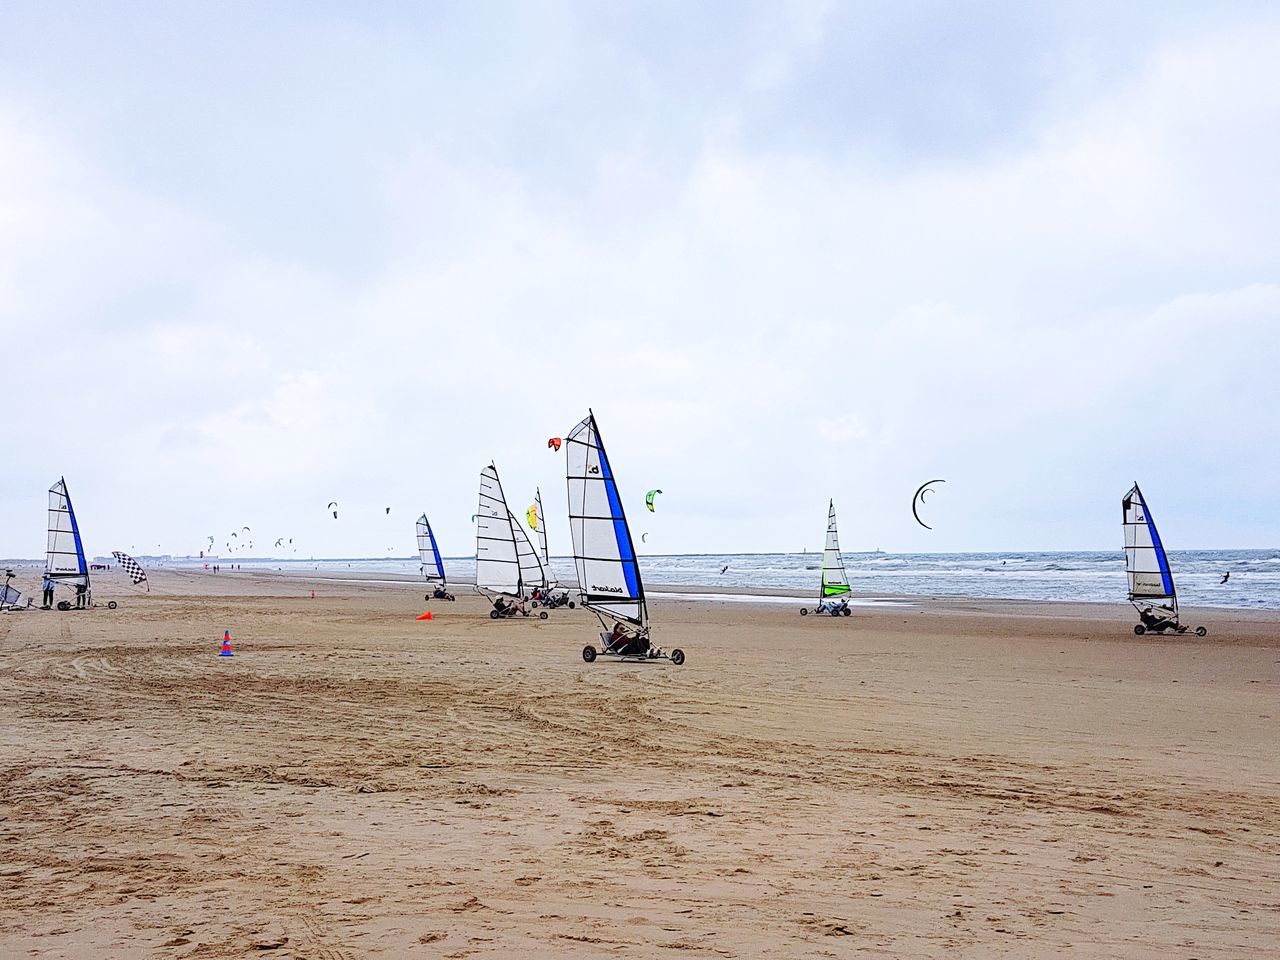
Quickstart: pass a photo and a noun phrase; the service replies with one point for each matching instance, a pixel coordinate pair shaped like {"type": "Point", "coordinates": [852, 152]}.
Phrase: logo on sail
{"type": "Point", "coordinates": [595, 589]}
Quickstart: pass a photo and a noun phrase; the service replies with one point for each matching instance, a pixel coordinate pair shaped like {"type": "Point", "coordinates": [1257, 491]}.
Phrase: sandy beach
{"type": "Point", "coordinates": [952, 779]}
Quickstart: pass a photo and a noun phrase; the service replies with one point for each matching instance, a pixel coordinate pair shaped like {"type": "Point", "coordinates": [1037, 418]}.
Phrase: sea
{"type": "Point", "coordinates": [1070, 576]}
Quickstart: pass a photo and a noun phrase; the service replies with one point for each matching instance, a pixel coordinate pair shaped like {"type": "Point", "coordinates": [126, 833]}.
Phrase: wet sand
{"type": "Point", "coordinates": [955, 779]}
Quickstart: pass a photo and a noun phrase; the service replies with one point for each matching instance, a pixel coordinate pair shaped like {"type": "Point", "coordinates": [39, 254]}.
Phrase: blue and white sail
{"type": "Point", "coordinates": [432, 566]}
{"type": "Point", "coordinates": [1147, 564]}
{"type": "Point", "coordinates": [11, 597]}
{"type": "Point", "coordinates": [603, 551]}
{"type": "Point", "coordinates": [497, 564]}
{"type": "Point", "coordinates": [64, 559]}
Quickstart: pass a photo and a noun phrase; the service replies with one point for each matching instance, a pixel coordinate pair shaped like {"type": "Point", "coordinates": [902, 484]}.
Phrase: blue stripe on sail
{"type": "Point", "coordinates": [75, 531]}
{"type": "Point", "coordinates": [625, 551]}
{"type": "Point", "coordinates": [436, 550]}
{"type": "Point", "coordinates": [1161, 558]}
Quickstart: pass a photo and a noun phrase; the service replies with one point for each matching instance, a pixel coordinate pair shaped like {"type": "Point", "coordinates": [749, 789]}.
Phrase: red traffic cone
{"type": "Point", "coordinates": [226, 644]}
{"type": "Point", "coordinates": [313, 594]}
{"type": "Point", "coordinates": [424, 616]}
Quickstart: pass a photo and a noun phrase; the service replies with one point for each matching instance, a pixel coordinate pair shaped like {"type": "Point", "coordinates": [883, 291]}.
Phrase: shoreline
{"type": "Point", "coordinates": [712, 593]}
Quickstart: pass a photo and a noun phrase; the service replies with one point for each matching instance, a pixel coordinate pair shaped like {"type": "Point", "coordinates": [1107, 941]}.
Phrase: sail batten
{"type": "Point", "coordinates": [432, 566]}
{"type": "Point", "coordinates": [835, 582]}
{"type": "Point", "coordinates": [604, 554]}
{"type": "Point", "coordinates": [1146, 562]}
{"type": "Point", "coordinates": [64, 559]}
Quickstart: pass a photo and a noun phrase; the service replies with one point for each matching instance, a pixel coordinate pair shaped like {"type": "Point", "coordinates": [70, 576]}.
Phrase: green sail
{"type": "Point", "coordinates": [834, 581]}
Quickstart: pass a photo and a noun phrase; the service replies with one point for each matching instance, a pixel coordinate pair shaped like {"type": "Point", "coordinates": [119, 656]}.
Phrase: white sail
{"type": "Point", "coordinates": [432, 565]}
{"type": "Point", "coordinates": [541, 534]}
{"type": "Point", "coordinates": [834, 581]}
{"type": "Point", "coordinates": [608, 574]}
{"type": "Point", "coordinates": [497, 566]}
{"type": "Point", "coordinates": [64, 560]}
{"type": "Point", "coordinates": [11, 597]}
{"type": "Point", "coordinates": [532, 576]}
{"type": "Point", "coordinates": [1147, 564]}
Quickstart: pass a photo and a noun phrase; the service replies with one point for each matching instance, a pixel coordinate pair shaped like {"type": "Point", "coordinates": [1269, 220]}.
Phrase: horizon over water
{"type": "Point", "coordinates": [1073, 576]}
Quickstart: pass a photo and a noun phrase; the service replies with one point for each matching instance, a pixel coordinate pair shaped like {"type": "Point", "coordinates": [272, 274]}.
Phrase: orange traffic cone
{"type": "Point", "coordinates": [226, 644]}
{"type": "Point", "coordinates": [425, 616]}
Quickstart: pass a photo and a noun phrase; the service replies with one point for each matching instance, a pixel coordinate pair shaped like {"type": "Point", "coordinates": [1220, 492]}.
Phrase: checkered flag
{"type": "Point", "coordinates": [132, 567]}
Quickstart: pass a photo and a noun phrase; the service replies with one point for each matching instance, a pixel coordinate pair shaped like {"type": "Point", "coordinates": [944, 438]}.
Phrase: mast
{"type": "Point", "coordinates": [834, 581]}
{"type": "Point", "coordinates": [1146, 562]}
{"type": "Point", "coordinates": [497, 565]}
{"type": "Point", "coordinates": [603, 551]}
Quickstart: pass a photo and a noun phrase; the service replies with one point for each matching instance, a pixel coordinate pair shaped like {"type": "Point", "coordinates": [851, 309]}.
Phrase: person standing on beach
{"type": "Point", "coordinates": [47, 586]}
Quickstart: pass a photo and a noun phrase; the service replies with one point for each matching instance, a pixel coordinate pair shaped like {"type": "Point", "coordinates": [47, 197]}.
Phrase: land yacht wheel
{"type": "Point", "coordinates": [1201, 632]}
{"type": "Point", "coordinates": [677, 657]}
{"type": "Point", "coordinates": [588, 654]}
{"type": "Point", "coordinates": [1139, 629]}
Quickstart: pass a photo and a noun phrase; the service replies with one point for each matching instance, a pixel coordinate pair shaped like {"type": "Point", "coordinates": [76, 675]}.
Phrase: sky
{"type": "Point", "coordinates": [257, 257]}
